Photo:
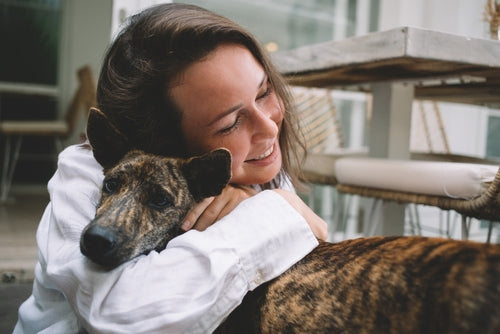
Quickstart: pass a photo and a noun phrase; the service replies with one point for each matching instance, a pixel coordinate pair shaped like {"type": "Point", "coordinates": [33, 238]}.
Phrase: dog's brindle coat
{"type": "Point", "coordinates": [365, 285]}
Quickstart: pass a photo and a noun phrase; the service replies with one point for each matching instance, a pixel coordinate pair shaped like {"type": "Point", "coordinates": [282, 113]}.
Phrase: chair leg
{"type": "Point", "coordinates": [418, 220]}
{"type": "Point", "coordinates": [341, 216]}
{"type": "Point", "coordinates": [413, 217]}
{"type": "Point", "coordinates": [58, 144]}
{"type": "Point", "coordinates": [490, 230]}
{"type": "Point", "coordinates": [9, 165]}
{"type": "Point", "coordinates": [374, 218]}
{"type": "Point", "coordinates": [446, 231]}
{"type": "Point", "coordinates": [465, 227]}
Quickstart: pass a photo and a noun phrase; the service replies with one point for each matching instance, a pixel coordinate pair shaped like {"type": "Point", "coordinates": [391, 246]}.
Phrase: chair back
{"type": "Point", "coordinates": [84, 98]}
{"type": "Point", "coordinates": [318, 118]}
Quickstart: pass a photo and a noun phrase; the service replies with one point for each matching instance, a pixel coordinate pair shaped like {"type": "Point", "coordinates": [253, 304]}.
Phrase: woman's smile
{"type": "Point", "coordinates": [266, 157]}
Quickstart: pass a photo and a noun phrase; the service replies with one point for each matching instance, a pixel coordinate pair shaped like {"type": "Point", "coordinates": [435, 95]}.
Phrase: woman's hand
{"type": "Point", "coordinates": [211, 209]}
{"type": "Point", "coordinates": [317, 225]}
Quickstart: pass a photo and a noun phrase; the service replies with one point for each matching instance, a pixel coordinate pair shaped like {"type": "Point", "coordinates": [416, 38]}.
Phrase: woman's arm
{"type": "Point", "coordinates": [191, 286]}
{"type": "Point", "coordinates": [213, 209]}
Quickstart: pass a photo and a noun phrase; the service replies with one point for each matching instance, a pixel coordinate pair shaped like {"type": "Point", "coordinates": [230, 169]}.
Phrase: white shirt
{"type": "Point", "coordinates": [190, 287]}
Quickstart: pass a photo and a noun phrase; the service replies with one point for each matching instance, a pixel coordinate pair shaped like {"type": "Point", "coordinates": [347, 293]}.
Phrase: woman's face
{"type": "Point", "coordinates": [226, 100]}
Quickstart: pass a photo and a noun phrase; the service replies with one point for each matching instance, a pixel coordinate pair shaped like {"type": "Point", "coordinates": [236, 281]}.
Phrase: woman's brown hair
{"type": "Point", "coordinates": [150, 53]}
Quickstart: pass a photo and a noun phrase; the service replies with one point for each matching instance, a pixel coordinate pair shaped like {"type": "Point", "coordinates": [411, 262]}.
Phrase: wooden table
{"type": "Point", "coordinates": [397, 66]}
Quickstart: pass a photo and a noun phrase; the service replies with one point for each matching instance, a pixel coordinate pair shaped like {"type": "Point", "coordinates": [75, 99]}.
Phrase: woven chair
{"type": "Point", "coordinates": [472, 190]}
{"type": "Point", "coordinates": [321, 167]}
{"type": "Point", "coordinates": [317, 118]}
{"type": "Point", "coordinates": [14, 131]}
{"type": "Point", "coordinates": [429, 141]}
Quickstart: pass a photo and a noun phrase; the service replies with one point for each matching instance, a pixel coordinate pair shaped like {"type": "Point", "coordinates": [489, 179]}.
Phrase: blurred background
{"type": "Point", "coordinates": [45, 42]}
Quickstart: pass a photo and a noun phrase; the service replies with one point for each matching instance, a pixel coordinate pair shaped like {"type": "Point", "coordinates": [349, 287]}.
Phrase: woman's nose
{"type": "Point", "coordinates": [267, 122]}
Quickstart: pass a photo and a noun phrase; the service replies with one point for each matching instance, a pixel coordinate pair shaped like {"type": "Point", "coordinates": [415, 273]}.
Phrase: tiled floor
{"type": "Point", "coordinates": [19, 218]}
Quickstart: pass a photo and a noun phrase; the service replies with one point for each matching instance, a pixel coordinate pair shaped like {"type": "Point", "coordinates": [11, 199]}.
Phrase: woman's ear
{"type": "Point", "coordinates": [109, 145]}
{"type": "Point", "coordinates": [208, 175]}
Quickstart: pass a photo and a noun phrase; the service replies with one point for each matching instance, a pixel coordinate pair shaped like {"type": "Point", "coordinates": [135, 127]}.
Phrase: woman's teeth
{"type": "Point", "coordinates": [266, 154]}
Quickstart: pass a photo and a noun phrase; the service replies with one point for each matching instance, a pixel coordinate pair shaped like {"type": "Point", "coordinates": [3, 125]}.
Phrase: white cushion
{"type": "Point", "coordinates": [323, 163]}
{"type": "Point", "coordinates": [451, 179]}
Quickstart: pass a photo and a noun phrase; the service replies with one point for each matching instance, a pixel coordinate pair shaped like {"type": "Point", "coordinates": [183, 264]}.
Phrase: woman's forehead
{"type": "Point", "coordinates": [225, 78]}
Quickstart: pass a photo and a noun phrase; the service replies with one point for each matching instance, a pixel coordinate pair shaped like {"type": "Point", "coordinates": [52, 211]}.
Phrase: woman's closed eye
{"type": "Point", "coordinates": [266, 93]}
{"type": "Point", "coordinates": [237, 121]}
{"type": "Point", "coordinates": [232, 127]}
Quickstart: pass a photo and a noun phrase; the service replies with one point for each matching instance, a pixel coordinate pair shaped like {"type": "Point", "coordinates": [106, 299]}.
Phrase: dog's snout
{"type": "Point", "coordinates": [97, 242]}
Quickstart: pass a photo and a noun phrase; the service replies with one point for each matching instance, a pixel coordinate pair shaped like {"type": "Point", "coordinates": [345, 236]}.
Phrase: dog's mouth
{"type": "Point", "coordinates": [175, 232]}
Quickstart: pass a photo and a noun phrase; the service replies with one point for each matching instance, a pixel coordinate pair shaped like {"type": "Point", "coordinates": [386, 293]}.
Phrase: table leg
{"type": "Point", "coordinates": [389, 137]}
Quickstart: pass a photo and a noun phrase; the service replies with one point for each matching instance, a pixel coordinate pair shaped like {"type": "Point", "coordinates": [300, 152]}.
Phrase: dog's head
{"type": "Point", "coordinates": [144, 200]}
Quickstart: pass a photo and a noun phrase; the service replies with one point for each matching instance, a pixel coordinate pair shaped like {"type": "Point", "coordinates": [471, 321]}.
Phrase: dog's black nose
{"type": "Point", "coordinates": [98, 242]}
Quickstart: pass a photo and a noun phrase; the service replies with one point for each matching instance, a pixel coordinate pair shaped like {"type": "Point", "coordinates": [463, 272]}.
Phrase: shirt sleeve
{"type": "Point", "coordinates": [189, 287]}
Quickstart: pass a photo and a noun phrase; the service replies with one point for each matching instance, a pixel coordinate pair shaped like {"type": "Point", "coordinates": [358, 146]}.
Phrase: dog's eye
{"type": "Point", "coordinates": [110, 186]}
{"type": "Point", "coordinates": [160, 202]}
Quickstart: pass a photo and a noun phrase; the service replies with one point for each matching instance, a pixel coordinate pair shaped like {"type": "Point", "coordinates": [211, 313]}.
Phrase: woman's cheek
{"type": "Point", "coordinates": [236, 164]}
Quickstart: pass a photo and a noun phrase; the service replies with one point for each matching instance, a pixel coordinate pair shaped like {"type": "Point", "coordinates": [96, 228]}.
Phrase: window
{"type": "Point", "coordinates": [29, 32]}
{"type": "Point", "coordinates": [287, 24]}
{"type": "Point", "coordinates": [29, 35]}
{"type": "Point", "coordinates": [493, 135]}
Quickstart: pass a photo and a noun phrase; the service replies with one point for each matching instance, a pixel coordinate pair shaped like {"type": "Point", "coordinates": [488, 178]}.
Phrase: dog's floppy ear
{"type": "Point", "coordinates": [109, 145]}
{"type": "Point", "coordinates": [208, 174]}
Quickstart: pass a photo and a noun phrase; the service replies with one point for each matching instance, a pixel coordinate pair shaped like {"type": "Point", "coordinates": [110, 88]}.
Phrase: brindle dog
{"type": "Point", "coordinates": [365, 285]}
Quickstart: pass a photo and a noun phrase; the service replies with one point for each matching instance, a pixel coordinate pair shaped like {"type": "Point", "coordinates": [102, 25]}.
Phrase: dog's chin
{"type": "Point", "coordinates": [162, 244]}
{"type": "Point", "coordinates": [109, 261]}
{"type": "Point", "coordinates": [108, 264]}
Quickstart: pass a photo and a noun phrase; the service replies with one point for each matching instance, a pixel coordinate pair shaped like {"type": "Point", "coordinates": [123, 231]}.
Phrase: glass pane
{"type": "Point", "coordinates": [287, 24]}
{"type": "Point", "coordinates": [29, 34]}
{"type": "Point", "coordinates": [493, 138]}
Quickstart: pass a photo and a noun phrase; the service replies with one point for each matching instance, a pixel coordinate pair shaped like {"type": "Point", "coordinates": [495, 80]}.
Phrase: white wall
{"type": "Point", "coordinates": [86, 27]}
{"type": "Point", "coordinates": [464, 17]}
{"type": "Point", "coordinates": [125, 8]}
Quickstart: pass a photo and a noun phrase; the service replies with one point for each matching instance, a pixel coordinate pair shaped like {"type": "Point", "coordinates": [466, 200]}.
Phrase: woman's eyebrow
{"type": "Point", "coordinates": [238, 106]}
{"type": "Point", "coordinates": [225, 113]}
{"type": "Point", "coordinates": [264, 79]}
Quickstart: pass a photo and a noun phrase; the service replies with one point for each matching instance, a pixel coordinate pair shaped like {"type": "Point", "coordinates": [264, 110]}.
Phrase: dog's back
{"type": "Point", "coordinates": [380, 285]}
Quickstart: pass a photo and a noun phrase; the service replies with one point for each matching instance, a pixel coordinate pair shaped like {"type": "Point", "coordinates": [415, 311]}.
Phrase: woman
{"type": "Point", "coordinates": [179, 81]}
